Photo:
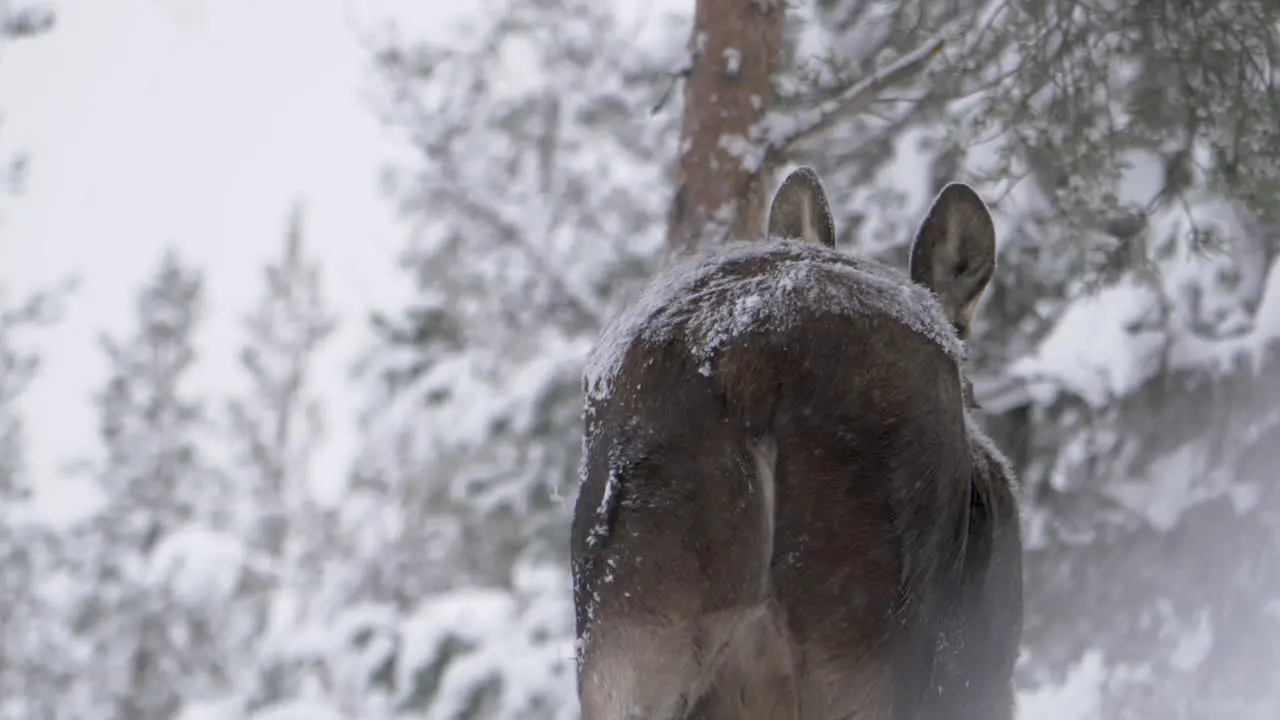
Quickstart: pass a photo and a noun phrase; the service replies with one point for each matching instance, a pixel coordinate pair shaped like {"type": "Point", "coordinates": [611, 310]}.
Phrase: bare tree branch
{"type": "Point", "coordinates": [784, 130]}
{"type": "Point", "coordinates": [580, 302]}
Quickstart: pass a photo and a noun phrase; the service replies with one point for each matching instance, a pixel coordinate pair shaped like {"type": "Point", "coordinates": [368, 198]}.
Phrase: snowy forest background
{"type": "Point", "coordinates": [1125, 359]}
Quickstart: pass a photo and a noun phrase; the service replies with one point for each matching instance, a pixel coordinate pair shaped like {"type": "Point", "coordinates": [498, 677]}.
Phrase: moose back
{"type": "Point", "coordinates": [785, 510]}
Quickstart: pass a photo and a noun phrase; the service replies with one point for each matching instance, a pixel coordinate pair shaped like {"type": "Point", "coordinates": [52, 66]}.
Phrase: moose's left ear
{"type": "Point", "coordinates": [800, 210]}
{"type": "Point", "coordinates": [954, 253]}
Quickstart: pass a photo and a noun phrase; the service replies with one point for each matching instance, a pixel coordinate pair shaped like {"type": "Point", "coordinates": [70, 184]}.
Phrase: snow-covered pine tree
{"type": "Point", "coordinates": [534, 201]}
{"type": "Point", "coordinates": [1129, 371]}
{"type": "Point", "coordinates": [538, 201]}
{"type": "Point", "coordinates": [33, 628]}
{"type": "Point", "coordinates": [157, 567]}
{"type": "Point", "coordinates": [276, 423]}
{"type": "Point", "coordinates": [278, 420]}
{"type": "Point", "coordinates": [19, 363]}
{"type": "Point", "coordinates": [32, 631]}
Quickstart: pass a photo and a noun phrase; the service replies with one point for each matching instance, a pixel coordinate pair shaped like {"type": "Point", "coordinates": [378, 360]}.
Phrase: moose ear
{"type": "Point", "coordinates": [954, 254]}
{"type": "Point", "coordinates": [800, 210]}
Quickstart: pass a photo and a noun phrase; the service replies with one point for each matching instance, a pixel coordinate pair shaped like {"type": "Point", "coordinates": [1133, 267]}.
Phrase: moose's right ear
{"type": "Point", "coordinates": [800, 210]}
{"type": "Point", "coordinates": [954, 254]}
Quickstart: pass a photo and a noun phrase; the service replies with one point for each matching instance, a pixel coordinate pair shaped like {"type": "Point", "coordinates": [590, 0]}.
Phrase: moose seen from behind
{"type": "Point", "coordinates": [785, 509]}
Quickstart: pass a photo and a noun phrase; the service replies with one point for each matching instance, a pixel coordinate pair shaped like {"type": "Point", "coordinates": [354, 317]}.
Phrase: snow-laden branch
{"type": "Point", "coordinates": [25, 22]}
{"type": "Point", "coordinates": [578, 299]}
{"type": "Point", "coordinates": [783, 130]}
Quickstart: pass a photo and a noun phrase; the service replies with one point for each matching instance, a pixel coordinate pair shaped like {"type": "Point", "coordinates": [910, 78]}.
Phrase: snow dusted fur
{"type": "Point", "coordinates": [785, 510]}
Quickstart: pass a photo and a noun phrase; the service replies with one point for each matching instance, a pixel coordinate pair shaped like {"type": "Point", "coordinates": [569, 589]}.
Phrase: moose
{"type": "Point", "coordinates": [785, 510]}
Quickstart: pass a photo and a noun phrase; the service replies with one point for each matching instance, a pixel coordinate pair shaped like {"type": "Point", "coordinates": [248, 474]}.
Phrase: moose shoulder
{"type": "Point", "coordinates": [785, 510]}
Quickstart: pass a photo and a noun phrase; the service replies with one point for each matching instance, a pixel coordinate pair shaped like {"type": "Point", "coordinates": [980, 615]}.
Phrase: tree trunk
{"type": "Point", "coordinates": [734, 50]}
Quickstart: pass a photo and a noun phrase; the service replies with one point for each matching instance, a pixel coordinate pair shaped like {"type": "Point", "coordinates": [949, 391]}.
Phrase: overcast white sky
{"type": "Point", "coordinates": [195, 124]}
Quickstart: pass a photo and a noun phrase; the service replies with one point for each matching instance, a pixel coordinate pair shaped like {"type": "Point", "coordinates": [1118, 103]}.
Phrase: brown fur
{"type": "Point", "coordinates": [800, 523]}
